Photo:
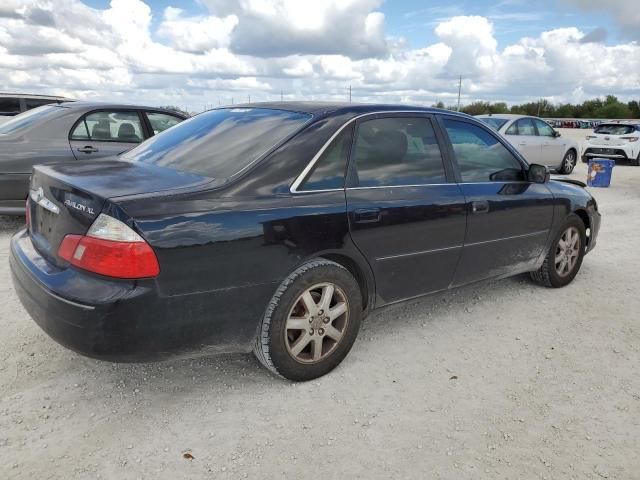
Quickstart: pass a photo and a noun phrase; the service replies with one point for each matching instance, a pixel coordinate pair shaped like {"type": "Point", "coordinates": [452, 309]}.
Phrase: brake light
{"type": "Point", "coordinates": [110, 248]}
{"type": "Point", "coordinates": [27, 214]}
{"type": "Point", "coordinates": [631, 139]}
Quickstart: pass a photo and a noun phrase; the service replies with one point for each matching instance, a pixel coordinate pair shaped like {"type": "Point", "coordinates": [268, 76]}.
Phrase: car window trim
{"type": "Point", "coordinates": [293, 188]}
{"type": "Point", "coordinates": [112, 110]}
{"type": "Point", "coordinates": [440, 117]}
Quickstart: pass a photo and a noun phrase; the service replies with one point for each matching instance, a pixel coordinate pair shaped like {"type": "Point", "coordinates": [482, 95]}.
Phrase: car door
{"type": "Point", "coordinates": [105, 133]}
{"type": "Point", "coordinates": [406, 213]}
{"type": "Point", "coordinates": [553, 145]}
{"type": "Point", "coordinates": [522, 135]}
{"type": "Point", "coordinates": [508, 218]}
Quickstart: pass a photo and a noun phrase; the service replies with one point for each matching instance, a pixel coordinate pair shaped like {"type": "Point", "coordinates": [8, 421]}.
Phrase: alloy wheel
{"type": "Point", "coordinates": [567, 252]}
{"type": "Point", "coordinates": [569, 162]}
{"type": "Point", "coordinates": [316, 323]}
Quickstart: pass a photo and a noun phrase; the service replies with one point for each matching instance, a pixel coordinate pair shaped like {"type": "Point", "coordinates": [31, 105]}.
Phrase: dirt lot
{"type": "Point", "coordinates": [500, 380]}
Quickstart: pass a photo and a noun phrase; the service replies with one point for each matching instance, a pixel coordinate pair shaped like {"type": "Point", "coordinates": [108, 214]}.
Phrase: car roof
{"type": "Point", "coordinates": [34, 96]}
{"type": "Point", "coordinates": [339, 108]}
{"type": "Point", "coordinates": [505, 116]}
{"type": "Point", "coordinates": [85, 105]}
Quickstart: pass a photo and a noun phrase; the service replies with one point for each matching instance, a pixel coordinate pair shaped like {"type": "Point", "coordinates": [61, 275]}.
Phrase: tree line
{"type": "Point", "coordinates": [608, 108]}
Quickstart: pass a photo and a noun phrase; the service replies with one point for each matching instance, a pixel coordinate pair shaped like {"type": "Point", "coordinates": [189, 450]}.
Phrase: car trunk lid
{"type": "Point", "coordinates": [66, 198]}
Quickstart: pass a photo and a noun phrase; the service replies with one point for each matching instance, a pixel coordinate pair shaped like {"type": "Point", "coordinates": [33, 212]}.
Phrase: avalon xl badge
{"type": "Point", "coordinates": [37, 195]}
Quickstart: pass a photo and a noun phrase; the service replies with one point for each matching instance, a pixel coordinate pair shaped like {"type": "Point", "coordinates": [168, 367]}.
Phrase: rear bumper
{"type": "Point", "coordinates": [129, 321]}
{"type": "Point", "coordinates": [620, 152]}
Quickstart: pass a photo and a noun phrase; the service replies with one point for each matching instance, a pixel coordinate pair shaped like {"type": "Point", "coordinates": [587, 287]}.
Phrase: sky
{"type": "Point", "coordinates": [202, 53]}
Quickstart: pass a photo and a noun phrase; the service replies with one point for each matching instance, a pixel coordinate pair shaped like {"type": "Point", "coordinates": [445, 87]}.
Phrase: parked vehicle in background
{"type": "Point", "coordinates": [276, 227]}
{"type": "Point", "coordinates": [536, 140]}
{"type": "Point", "coordinates": [66, 132]}
{"type": "Point", "coordinates": [617, 141]}
{"type": "Point", "coordinates": [12, 104]}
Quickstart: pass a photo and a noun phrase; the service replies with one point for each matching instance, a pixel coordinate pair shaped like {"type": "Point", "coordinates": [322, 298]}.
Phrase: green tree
{"type": "Point", "coordinates": [634, 108]}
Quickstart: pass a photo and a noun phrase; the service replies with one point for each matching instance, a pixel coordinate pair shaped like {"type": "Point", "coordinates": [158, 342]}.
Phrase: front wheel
{"type": "Point", "coordinates": [311, 322]}
{"type": "Point", "coordinates": [565, 255]}
{"type": "Point", "coordinates": [568, 162]}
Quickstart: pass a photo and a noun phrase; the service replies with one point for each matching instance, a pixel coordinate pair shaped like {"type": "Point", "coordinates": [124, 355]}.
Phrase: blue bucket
{"type": "Point", "coordinates": [600, 170]}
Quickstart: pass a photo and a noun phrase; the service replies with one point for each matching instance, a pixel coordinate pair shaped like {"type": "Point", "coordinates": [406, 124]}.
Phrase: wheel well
{"type": "Point", "coordinates": [356, 271]}
{"type": "Point", "coordinates": [585, 219]}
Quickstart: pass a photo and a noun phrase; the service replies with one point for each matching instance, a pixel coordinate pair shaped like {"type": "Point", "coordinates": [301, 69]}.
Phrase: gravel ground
{"type": "Point", "coordinates": [500, 380]}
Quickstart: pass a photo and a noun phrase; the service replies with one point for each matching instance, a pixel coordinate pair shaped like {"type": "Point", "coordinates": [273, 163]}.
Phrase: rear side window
{"type": "Point", "coordinates": [109, 127]}
{"type": "Point", "coordinates": [36, 102]}
{"type": "Point", "coordinates": [161, 121]}
{"type": "Point", "coordinates": [481, 157]}
{"type": "Point", "coordinates": [329, 170]}
{"type": "Point", "coordinates": [397, 151]}
{"type": "Point", "coordinates": [219, 143]}
{"type": "Point", "coordinates": [614, 129]}
{"type": "Point", "coordinates": [9, 106]}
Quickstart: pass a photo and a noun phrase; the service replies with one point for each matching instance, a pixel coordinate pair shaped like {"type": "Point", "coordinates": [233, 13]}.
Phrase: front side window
{"type": "Point", "coordinates": [397, 151]}
{"type": "Point", "coordinates": [480, 156]}
{"type": "Point", "coordinates": [219, 143]}
{"type": "Point", "coordinates": [544, 129]}
{"type": "Point", "coordinates": [329, 171]}
{"type": "Point", "coordinates": [161, 121]}
{"type": "Point", "coordinates": [109, 127]}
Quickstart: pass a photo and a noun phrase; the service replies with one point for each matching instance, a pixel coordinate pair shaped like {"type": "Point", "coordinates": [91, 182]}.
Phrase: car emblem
{"type": "Point", "coordinates": [38, 197]}
{"type": "Point", "coordinates": [607, 138]}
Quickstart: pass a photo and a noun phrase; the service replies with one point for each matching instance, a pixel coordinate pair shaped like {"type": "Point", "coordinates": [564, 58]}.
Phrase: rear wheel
{"type": "Point", "coordinates": [565, 255]}
{"type": "Point", "coordinates": [568, 162]}
{"type": "Point", "coordinates": [636, 162]}
{"type": "Point", "coordinates": [311, 322]}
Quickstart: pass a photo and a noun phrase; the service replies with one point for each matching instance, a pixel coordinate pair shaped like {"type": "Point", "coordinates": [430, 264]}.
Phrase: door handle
{"type": "Point", "coordinates": [481, 206]}
{"type": "Point", "coordinates": [367, 215]}
{"type": "Point", "coordinates": [88, 149]}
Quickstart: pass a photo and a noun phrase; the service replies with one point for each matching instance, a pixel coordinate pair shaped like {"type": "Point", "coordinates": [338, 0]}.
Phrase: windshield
{"type": "Point", "coordinates": [218, 143]}
{"type": "Point", "coordinates": [28, 118]}
{"type": "Point", "coordinates": [494, 122]}
{"type": "Point", "coordinates": [614, 129]}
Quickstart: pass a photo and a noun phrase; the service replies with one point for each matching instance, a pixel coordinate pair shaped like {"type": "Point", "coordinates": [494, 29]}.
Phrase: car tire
{"type": "Point", "coordinates": [568, 162]}
{"type": "Point", "coordinates": [585, 159]}
{"type": "Point", "coordinates": [299, 339]}
{"type": "Point", "coordinates": [564, 258]}
{"type": "Point", "coordinates": [635, 162]}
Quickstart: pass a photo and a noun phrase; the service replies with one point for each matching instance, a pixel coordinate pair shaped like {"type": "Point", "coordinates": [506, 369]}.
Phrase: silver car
{"type": "Point", "coordinates": [536, 140]}
{"type": "Point", "coordinates": [65, 132]}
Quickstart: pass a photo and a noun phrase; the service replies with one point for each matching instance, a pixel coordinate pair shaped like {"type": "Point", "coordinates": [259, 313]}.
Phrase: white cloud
{"type": "Point", "coordinates": [305, 50]}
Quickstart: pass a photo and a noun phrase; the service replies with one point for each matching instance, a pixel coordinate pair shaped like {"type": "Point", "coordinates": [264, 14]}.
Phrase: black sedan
{"type": "Point", "coordinates": [70, 131]}
{"type": "Point", "coordinates": [277, 227]}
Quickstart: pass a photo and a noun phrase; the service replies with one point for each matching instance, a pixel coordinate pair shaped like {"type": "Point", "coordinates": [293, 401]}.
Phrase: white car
{"type": "Point", "coordinates": [536, 140]}
{"type": "Point", "coordinates": [618, 141]}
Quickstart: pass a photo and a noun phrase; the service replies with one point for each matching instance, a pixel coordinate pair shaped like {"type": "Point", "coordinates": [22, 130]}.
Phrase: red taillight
{"type": "Point", "coordinates": [27, 214]}
{"type": "Point", "coordinates": [631, 139]}
{"type": "Point", "coordinates": [113, 258]}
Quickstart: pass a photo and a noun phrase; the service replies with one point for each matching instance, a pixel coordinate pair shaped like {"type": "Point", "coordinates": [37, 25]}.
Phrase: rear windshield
{"type": "Point", "coordinates": [614, 129]}
{"type": "Point", "coordinates": [218, 143]}
{"type": "Point", "coordinates": [27, 119]}
{"type": "Point", "coordinates": [493, 122]}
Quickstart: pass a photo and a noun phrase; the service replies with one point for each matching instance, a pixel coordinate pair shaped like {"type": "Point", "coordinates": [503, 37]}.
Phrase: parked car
{"type": "Point", "coordinates": [618, 141]}
{"type": "Point", "coordinates": [276, 227]}
{"type": "Point", "coordinates": [536, 140]}
{"type": "Point", "coordinates": [12, 104]}
{"type": "Point", "coordinates": [67, 132]}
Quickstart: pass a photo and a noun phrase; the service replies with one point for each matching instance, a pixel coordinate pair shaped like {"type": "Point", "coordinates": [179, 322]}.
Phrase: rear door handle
{"type": "Point", "coordinates": [88, 149]}
{"type": "Point", "coordinates": [367, 215]}
{"type": "Point", "coordinates": [481, 206]}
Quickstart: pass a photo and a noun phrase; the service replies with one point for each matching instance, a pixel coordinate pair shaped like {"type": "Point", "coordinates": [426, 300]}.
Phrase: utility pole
{"type": "Point", "coordinates": [459, 90]}
{"type": "Point", "coordinates": [249, 99]}
{"type": "Point", "coordinates": [281, 96]}
{"type": "Point", "coordinates": [349, 93]}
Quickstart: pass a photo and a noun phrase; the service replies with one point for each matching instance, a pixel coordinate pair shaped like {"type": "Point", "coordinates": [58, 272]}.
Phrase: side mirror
{"type": "Point", "coordinates": [556, 134]}
{"type": "Point", "coordinates": [538, 173]}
